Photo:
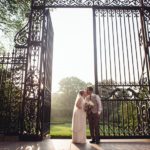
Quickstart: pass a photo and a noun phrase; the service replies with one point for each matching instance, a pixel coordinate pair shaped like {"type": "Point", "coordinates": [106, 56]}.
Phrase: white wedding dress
{"type": "Point", "coordinates": [79, 121]}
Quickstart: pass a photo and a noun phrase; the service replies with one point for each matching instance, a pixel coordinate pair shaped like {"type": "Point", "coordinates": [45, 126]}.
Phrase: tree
{"type": "Point", "coordinates": [2, 49]}
{"type": "Point", "coordinates": [63, 101]}
{"type": "Point", "coordinates": [13, 14]}
{"type": "Point", "coordinates": [12, 18]}
{"type": "Point", "coordinates": [10, 100]}
{"type": "Point", "coordinates": [71, 85]}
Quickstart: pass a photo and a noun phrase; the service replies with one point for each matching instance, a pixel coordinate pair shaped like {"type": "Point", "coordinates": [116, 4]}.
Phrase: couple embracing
{"type": "Point", "coordinates": [87, 105]}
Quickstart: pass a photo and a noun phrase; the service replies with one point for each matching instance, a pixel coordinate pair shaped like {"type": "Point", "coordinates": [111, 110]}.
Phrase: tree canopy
{"type": "Point", "coordinates": [63, 101]}
{"type": "Point", "coordinates": [71, 85]}
{"type": "Point", "coordinates": [12, 18]}
{"type": "Point", "coordinates": [13, 14]}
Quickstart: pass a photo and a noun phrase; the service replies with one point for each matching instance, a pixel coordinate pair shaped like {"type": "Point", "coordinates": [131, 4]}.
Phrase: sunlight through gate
{"type": "Point", "coordinates": [121, 35]}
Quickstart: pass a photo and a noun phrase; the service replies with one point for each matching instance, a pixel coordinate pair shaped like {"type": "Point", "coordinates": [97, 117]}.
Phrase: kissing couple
{"type": "Point", "coordinates": [87, 105]}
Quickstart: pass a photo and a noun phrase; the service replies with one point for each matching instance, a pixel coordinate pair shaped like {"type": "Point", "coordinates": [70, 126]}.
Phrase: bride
{"type": "Point", "coordinates": [79, 119]}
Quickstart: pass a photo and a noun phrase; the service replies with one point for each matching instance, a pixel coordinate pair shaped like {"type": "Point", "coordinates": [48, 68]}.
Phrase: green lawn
{"type": "Point", "coordinates": [62, 130]}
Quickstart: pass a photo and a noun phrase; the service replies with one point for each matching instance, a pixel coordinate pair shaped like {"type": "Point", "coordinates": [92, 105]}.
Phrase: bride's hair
{"type": "Point", "coordinates": [81, 92]}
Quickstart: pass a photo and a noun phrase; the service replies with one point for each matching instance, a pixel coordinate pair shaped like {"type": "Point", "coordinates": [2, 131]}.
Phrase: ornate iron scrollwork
{"type": "Point", "coordinates": [90, 3]}
{"type": "Point", "coordinates": [21, 37]}
{"type": "Point", "coordinates": [147, 22]}
{"type": "Point", "coordinates": [38, 2]}
{"type": "Point", "coordinates": [146, 2]}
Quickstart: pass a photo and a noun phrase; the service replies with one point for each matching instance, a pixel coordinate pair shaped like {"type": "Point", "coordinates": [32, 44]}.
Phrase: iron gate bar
{"type": "Point", "coordinates": [123, 49]}
{"type": "Point", "coordinates": [109, 45]}
{"type": "Point", "coordinates": [135, 47]}
{"type": "Point", "coordinates": [127, 48]}
{"type": "Point", "coordinates": [131, 49]}
{"type": "Point", "coordinates": [145, 41]}
{"type": "Point", "coordinates": [41, 101]}
{"type": "Point", "coordinates": [95, 52]}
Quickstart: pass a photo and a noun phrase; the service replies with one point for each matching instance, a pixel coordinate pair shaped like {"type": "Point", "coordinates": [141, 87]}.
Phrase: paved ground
{"type": "Point", "coordinates": [67, 145]}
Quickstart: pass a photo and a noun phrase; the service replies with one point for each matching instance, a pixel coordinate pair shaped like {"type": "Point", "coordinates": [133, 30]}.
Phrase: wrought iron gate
{"type": "Point", "coordinates": [36, 105]}
{"type": "Point", "coordinates": [25, 79]}
{"type": "Point", "coordinates": [122, 55]}
{"type": "Point", "coordinates": [11, 76]}
{"type": "Point", "coordinates": [121, 34]}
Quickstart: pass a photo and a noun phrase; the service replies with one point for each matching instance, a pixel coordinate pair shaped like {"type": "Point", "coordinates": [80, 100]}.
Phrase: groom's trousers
{"type": "Point", "coordinates": [93, 119]}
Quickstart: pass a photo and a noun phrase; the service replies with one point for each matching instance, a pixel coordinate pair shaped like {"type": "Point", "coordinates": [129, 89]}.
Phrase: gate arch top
{"type": "Point", "coordinates": [90, 3]}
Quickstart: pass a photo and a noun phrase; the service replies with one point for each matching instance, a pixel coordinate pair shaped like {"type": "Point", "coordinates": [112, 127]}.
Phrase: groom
{"type": "Point", "coordinates": [94, 114]}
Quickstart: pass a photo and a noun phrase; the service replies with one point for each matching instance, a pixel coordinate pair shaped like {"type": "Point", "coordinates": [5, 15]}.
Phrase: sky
{"type": "Point", "coordinates": [73, 45]}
